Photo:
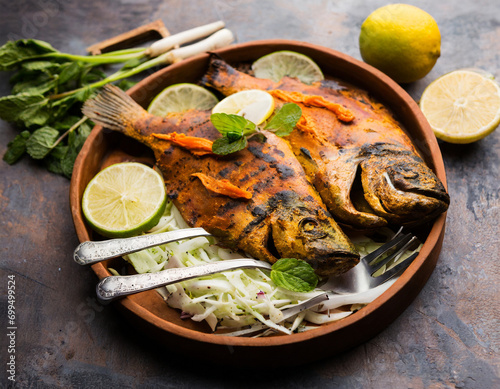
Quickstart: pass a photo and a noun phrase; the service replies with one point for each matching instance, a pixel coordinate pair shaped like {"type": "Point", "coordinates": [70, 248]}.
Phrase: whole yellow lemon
{"type": "Point", "coordinates": [401, 40]}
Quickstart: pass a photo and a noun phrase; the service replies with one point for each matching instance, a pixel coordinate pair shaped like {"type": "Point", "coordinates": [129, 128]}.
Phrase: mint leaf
{"type": "Point", "coordinates": [91, 75]}
{"type": "Point", "coordinates": [69, 71]}
{"type": "Point", "coordinates": [126, 84]}
{"type": "Point", "coordinates": [85, 129]}
{"type": "Point", "coordinates": [24, 107]}
{"type": "Point", "coordinates": [225, 123]}
{"type": "Point", "coordinates": [86, 93]}
{"type": "Point", "coordinates": [14, 52]}
{"type": "Point", "coordinates": [66, 123]}
{"type": "Point", "coordinates": [294, 274]}
{"type": "Point", "coordinates": [284, 121]}
{"type": "Point", "coordinates": [223, 146]}
{"type": "Point", "coordinates": [38, 85]}
{"type": "Point", "coordinates": [39, 65]}
{"type": "Point", "coordinates": [53, 160]}
{"type": "Point", "coordinates": [16, 148]}
{"type": "Point", "coordinates": [41, 142]}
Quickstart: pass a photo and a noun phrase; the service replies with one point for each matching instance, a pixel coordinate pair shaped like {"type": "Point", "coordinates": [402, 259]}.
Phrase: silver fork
{"type": "Point", "coordinates": [355, 281]}
{"type": "Point", "coordinates": [362, 281]}
{"type": "Point", "coordinates": [364, 276]}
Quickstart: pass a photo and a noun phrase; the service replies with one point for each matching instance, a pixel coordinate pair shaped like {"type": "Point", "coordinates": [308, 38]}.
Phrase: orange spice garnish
{"type": "Point", "coordinates": [344, 114]}
{"type": "Point", "coordinates": [223, 187]}
{"type": "Point", "coordinates": [197, 146]}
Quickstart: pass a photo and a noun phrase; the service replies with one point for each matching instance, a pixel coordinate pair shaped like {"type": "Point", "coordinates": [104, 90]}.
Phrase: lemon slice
{"type": "Point", "coordinates": [279, 64]}
{"type": "Point", "coordinates": [124, 199]}
{"type": "Point", "coordinates": [462, 106]}
{"type": "Point", "coordinates": [181, 98]}
{"type": "Point", "coordinates": [253, 104]}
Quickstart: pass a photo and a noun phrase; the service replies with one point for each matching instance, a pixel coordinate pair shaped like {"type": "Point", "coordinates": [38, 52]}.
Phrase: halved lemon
{"type": "Point", "coordinates": [124, 199]}
{"type": "Point", "coordinates": [462, 106]}
{"type": "Point", "coordinates": [279, 64]}
{"type": "Point", "coordinates": [253, 104]}
{"type": "Point", "coordinates": [182, 97]}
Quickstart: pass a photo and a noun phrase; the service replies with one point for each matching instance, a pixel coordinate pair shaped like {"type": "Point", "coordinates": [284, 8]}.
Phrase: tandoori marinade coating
{"type": "Point", "coordinates": [285, 216]}
{"type": "Point", "coordinates": [344, 134]}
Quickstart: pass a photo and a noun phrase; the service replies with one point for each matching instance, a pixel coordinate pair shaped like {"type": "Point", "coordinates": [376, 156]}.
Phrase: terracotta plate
{"type": "Point", "coordinates": [150, 313]}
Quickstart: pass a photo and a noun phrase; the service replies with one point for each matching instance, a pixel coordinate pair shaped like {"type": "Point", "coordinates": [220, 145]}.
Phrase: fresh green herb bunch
{"type": "Point", "coordinates": [236, 129]}
{"type": "Point", "coordinates": [48, 89]}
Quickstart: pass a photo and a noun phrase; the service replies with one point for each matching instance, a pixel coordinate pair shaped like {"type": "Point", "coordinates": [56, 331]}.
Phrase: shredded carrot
{"type": "Point", "coordinates": [223, 187]}
{"type": "Point", "coordinates": [344, 114]}
{"type": "Point", "coordinates": [197, 146]}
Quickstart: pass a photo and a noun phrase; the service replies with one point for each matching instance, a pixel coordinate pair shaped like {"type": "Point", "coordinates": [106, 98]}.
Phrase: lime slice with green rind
{"type": "Point", "coordinates": [124, 199]}
{"type": "Point", "coordinates": [279, 64]}
{"type": "Point", "coordinates": [182, 97]}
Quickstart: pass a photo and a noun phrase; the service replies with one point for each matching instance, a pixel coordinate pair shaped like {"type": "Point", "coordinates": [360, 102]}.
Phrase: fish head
{"type": "Point", "coordinates": [400, 187]}
{"type": "Point", "coordinates": [300, 229]}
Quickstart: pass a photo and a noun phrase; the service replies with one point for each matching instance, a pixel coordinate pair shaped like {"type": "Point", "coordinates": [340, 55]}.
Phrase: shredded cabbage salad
{"type": "Point", "coordinates": [236, 302]}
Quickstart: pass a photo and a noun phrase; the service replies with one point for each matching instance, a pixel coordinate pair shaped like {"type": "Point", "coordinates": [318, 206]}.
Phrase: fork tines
{"type": "Point", "coordinates": [398, 244]}
{"type": "Point", "coordinates": [402, 245]}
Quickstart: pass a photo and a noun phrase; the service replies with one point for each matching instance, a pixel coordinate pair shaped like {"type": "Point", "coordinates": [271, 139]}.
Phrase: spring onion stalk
{"type": "Point", "coordinates": [157, 48]}
{"type": "Point", "coordinates": [217, 40]}
{"type": "Point", "coordinates": [173, 41]}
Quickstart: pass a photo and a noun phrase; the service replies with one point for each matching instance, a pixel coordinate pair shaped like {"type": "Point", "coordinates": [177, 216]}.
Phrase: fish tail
{"type": "Point", "coordinates": [227, 80]}
{"type": "Point", "coordinates": [114, 109]}
{"type": "Point", "coordinates": [216, 67]}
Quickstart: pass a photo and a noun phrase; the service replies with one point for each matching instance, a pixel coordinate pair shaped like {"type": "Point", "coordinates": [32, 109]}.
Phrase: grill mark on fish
{"type": "Point", "coordinates": [258, 211]}
{"type": "Point", "coordinates": [257, 152]}
{"type": "Point", "coordinates": [225, 172]}
{"type": "Point", "coordinates": [284, 170]}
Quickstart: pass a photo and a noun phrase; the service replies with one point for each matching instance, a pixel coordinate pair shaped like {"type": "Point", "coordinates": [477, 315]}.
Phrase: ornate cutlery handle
{"type": "Point", "coordinates": [95, 251]}
{"type": "Point", "coordinates": [114, 287]}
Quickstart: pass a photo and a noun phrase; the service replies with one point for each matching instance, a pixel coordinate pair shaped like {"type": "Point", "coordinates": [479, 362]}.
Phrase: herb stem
{"type": "Point", "coordinates": [73, 128]}
{"type": "Point", "coordinates": [99, 59]}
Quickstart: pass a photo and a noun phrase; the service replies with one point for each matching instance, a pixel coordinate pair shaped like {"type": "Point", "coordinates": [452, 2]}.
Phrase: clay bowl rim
{"type": "Point", "coordinates": [360, 71]}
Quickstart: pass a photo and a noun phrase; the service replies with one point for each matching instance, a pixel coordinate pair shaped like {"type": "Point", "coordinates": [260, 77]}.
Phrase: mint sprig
{"type": "Point", "coordinates": [236, 130]}
{"type": "Point", "coordinates": [294, 274]}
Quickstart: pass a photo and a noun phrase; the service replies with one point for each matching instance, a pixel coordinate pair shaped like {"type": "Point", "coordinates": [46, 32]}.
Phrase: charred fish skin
{"type": "Point", "coordinates": [335, 153]}
{"type": "Point", "coordinates": [260, 226]}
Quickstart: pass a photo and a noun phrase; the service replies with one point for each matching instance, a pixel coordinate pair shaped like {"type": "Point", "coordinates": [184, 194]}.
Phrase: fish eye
{"type": "Point", "coordinates": [406, 172]}
{"type": "Point", "coordinates": [311, 228]}
{"type": "Point", "coordinates": [409, 174]}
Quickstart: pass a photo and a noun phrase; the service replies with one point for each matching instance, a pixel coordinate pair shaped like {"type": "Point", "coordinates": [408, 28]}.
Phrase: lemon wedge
{"type": "Point", "coordinates": [124, 199]}
{"type": "Point", "coordinates": [182, 97]}
{"type": "Point", "coordinates": [253, 104]}
{"type": "Point", "coordinates": [462, 106]}
{"type": "Point", "coordinates": [283, 63]}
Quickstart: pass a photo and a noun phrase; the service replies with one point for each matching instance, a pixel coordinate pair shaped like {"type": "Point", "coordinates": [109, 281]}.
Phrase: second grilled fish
{"type": "Point", "coordinates": [284, 216]}
{"type": "Point", "coordinates": [344, 134]}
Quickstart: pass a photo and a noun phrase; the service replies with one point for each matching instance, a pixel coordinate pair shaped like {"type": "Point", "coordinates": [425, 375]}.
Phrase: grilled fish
{"type": "Point", "coordinates": [366, 169]}
{"type": "Point", "coordinates": [283, 216]}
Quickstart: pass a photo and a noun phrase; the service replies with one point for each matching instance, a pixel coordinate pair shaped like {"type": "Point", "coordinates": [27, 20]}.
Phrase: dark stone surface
{"type": "Point", "coordinates": [448, 337]}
